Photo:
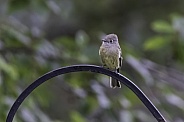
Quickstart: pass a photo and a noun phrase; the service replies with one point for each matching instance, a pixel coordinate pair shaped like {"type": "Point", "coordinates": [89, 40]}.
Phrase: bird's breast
{"type": "Point", "coordinates": [111, 51]}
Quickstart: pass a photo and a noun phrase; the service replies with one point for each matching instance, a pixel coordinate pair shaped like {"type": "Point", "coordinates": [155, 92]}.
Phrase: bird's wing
{"type": "Point", "coordinates": [120, 58]}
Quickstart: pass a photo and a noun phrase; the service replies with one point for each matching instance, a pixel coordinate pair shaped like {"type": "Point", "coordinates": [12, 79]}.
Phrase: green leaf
{"type": "Point", "coordinates": [76, 117]}
{"type": "Point", "coordinates": [162, 27]}
{"type": "Point", "coordinates": [155, 43]}
{"type": "Point", "coordinates": [18, 4]}
{"type": "Point", "coordinates": [8, 69]}
{"type": "Point", "coordinates": [11, 34]}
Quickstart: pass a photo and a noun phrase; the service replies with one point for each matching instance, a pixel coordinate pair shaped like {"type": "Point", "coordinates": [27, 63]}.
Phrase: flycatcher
{"type": "Point", "coordinates": [110, 53]}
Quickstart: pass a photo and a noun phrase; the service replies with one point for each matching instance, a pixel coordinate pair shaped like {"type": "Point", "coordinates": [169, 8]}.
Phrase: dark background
{"type": "Point", "coordinates": [37, 36]}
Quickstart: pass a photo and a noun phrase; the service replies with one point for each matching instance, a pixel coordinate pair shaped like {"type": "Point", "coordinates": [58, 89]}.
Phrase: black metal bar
{"type": "Point", "coordinates": [91, 68]}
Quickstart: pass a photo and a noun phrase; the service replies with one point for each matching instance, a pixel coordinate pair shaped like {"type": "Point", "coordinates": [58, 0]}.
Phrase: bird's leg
{"type": "Point", "coordinates": [117, 70]}
{"type": "Point", "coordinates": [105, 66]}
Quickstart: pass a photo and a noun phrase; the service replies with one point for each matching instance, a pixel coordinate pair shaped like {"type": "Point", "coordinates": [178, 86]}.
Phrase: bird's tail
{"type": "Point", "coordinates": [114, 83]}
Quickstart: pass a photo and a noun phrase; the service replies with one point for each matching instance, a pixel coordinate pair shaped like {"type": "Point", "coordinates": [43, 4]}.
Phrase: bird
{"type": "Point", "coordinates": [111, 56]}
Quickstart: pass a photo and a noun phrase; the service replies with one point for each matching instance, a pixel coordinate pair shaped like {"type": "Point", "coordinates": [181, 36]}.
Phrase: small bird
{"type": "Point", "coordinates": [110, 53]}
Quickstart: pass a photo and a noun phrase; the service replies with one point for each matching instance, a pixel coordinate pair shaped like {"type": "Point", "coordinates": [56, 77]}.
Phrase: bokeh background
{"type": "Point", "coordinates": [37, 36]}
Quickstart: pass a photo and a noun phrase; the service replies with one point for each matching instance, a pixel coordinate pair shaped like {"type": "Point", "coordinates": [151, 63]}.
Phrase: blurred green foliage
{"type": "Point", "coordinates": [39, 36]}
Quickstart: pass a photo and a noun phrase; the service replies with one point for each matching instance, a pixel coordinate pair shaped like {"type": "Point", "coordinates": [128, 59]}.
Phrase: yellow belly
{"type": "Point", "coordinates": [110, 57]}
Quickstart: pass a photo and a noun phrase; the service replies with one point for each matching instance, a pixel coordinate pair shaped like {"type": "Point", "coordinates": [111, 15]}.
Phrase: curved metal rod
{"type": "Point", "coordinates": [91, 68]}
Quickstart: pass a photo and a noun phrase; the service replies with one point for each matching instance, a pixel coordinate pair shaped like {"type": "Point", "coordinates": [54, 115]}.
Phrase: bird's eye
{"type": "Point", "coordinates": [111, 41]}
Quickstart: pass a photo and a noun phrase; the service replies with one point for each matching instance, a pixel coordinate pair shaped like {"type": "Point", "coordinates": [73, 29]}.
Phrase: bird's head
{"type": "Point", "coordinates": [110, 39]}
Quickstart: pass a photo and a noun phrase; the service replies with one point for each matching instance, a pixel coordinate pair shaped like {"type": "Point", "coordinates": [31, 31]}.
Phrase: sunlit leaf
{"type": "Point", "coordinates": [162, 26]}
{"type": "Point", "coordinates": [65, 42]}
{"type": "Point", "coordinates": [11, 34]}
{"type": "Point", "coordinates": [76, 117]}
{"type": "Point", "coordinates": [155, 43]}
{"type": "Point", "coordinates": [8, 69]}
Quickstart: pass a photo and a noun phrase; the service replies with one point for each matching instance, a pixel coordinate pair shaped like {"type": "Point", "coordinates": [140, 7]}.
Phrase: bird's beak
{"type": "Point", "coordinates": [103, 40]}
